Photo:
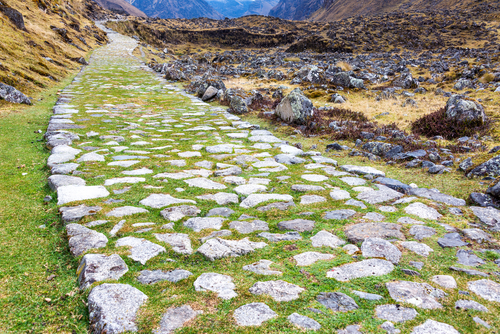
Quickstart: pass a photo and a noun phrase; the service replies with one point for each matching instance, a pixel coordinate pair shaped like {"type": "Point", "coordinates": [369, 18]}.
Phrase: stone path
{"type": "Point", "coordinates": [184, 215]}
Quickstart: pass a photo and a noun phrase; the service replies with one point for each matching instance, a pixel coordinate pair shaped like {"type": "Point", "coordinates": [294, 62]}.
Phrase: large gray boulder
{"type": "Point", "coordinates": [488, 168]}
{"type": "Point", "coordinates": [10, 94]}
{"type": "Point", "coordinates": [462, 109]}
{"type": "Point", "coordinates": [295, 108]}
{"type": "Point", "coordinates": [81, 239]}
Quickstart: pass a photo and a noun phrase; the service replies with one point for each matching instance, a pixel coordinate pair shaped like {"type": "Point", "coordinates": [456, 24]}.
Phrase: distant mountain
{"type": "Point", "coordinates": [120, 7]}
{"type": "Point", "coordinates": [296, 9]}
{"type": "Point", "coordinates": [176, 9]}
{"type": "Point", "coordinates": [238, 8]}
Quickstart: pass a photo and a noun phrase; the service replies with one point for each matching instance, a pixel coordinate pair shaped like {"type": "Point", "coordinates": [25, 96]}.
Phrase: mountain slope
{"type": "Point", "coordinates": [261, 7]}
{"type": "Point", "coordinates": [333, 10]}
{"type": "Point", "coordinates": [176, 9]}
{"type": "Point", "coordinates": [238, 8]}
{"type": "Point", "coordinates": [121, 7]}
{"type": "Point", "coordinates": [295, 9]}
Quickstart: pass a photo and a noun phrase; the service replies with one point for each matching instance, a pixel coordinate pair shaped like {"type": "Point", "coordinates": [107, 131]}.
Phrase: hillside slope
{"type": "Point", "coordinates": [177, 9]}
{"type": "Point", "coordinates": [56, 35]}
{"type": "Point", "coordinates": [121, 7]}
{"type": "Point", "coordinates": [295, 9]}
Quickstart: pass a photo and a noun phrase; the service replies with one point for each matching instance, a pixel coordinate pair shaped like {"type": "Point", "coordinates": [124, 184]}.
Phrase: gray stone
{"type": "Point", "coordinates": [262, 268]}
{"type": "Point", "coordinates": [9, 93]}
{"type": "Point", "coordinates": [221, 198]}
{"type": "Point", "coordinates": [303, 322]}
{"type": "Point", "coordinates": [248, 189]}
{"type": "Point", "coordinates": [179, 242]}
{"type": "Point", "coordinates": [98, 267]}
{"type": "Point", "coordinates": [468, 258]}
{"type": "Point", "coordinates": [221, 284]}
{"type": "Point", "coordinates": [56, 181]}
{"type": "Point", "coordinates": [288, 159]}
{"type": "Point", "coordinates": [395, 313]}
{"type": "Point", "coordinates": [337, 301]}
{"type": "Point", "coordinates": [308, 258]}
{"type": "Point", "coordinates": [353, 181]}
{"type": "Point", "coordinates": [125, 211]}
{"type": "Point", "coordinates": [486, 289]}
{"type": "Point", "coordinates": [469, 271]}
{"type": "Point", "coordinates": [119, 180]}
{"type": "Point", "coordinates": [314, 177]}
{"type": "Point", "coordinates": [367, 296]}
{"type": "Point", "coordinates": [63, 169]}
{"type": "Point", "coordinates": [365, 268]}
{"type": "Point", "coordinates": [351, 249]}
{"type": "Point", "coordinates": [418, 248]}
{"type": "Point", "coordinates": [359, 232]}
{"type": "Point", "coordinates": [219, 248]}
{"type": "Point", "coordinates": [71, 193]}
{"type": "Point", "coordinates": [249, 227]}
{"type": "Point", "coordinates": [75, 213]}
{"type": "Point", "coordinates": [201, 182]}
{"type": "Point", "coordinates": [480, 321]}
{"type": "Point", "coordinates": [408, 220]}
{"type": "Point", "coordinates": [437, 196]}
{"type": "Point", "coordinates": [155, 276]}
{"type": "Point", "coordinates": [158, 201]}
{"type": "Point", "coordinates": [374, 216]}
{"type": "Point", "coordinates": [445, 281]}
{"type": "Point", "coordinates": [141, 249]}
{"type": "Point", "coordinates": [81, 239]}
{"type": "Point", "coordinates": [393, 184]}
{"type": "Point", "coordinates": [339, 214]}
{"type": "Point", "coordinates": [423, 211]}
{"type": "Point", "coordinates": [175, 318]}
{"type": "Point", "coordinates": [451, 240]}
{"type": "Point", "coordinates": [176, 213]}
{"type": "Point", "coordinates": [113, 308]}
{"type": "Point", "coordinates": [324, 238]}
{"type": "Point", "coordinates": [389, 328]}
{"type": "Point", "coordinates": [422, 295]}
{"type": "Point", "coordinates": [299, 225]}
{"type": "Point", "coordinates": [279, 290]}
{"type": "Point", "coordinates": [224, 212]}
{"type": "Point", "coordinates": [464, 110]}
{"type": "Point", "coordinates": [352, 329]}
{"type": "Point", "coordinates": [470, 305]}
{"type": "Point", "coordinates": [362, 170]}
{"type": "Point", "coordinates": [305, 188]}
{"type": "Point", "coordinates": [282, 206]}
{"type": "Point", "coordinates": [200, 223]}
{"type": "Point", "coordinates": [488, 168]}
{"type": "Point", "coordinates": [215, 234]}
{"type": "Point", "coordinates": [339, 194]}
{"type": "Point", "coordinates": [311, 199]}
{"type": "Point", "coordinates": [433, 327]}
{"type": "Point", "coordinates": [253, 314]}
{"type": "Point", "coordinates": [384, 194]}
{"type": "Point", "coordinates": [295, 108]}
{"type": "Point", "coordinates": [354, 202]}
{"type": "Point", "coordinates": [476, 234]}
{"type": "Point", "coordinates": [380, 248]}
{"type": "Point", "coordinates": [488, 216]}
{"type": "Point", "coordinates": [421, 232]}
{"type": "Point", "coordinates": [88, 157]}
{"type": "Point", "coordinates": [255, 199]}
{"type": "Point", "coordinates": [276, 237]}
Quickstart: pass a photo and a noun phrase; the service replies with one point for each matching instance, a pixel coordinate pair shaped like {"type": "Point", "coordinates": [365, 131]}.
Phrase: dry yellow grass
{"type": "Point", "coordinates": [345, 66]}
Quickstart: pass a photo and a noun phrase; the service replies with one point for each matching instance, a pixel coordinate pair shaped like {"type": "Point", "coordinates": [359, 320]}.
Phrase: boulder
{"type": "Point", "coordinates": [10, 94]}
{"type": "Point", "coordinates": [462, 109]}
{"type": "Point", "coordinates": [14, 16]}
{"type": "Point", "coordinates": [295, 108]}
{"type": "Point", "coordinates": [488, 168]}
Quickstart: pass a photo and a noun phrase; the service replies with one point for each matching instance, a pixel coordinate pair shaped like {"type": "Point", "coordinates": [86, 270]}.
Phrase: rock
{"type": "Point", "coordinates": [125, 211]}
{"type": "Point", "coordinates": [380, 248]}
{"type": "Point", "coordinates": [468, 258]}
{"type": "Point", "coordinates": [255, 199]}
{"type": "Point", "coordinates": [445, 281]}
{"type": "Point", "coordinates": [289, 159]}
{"type": "Point", "coordinates": [395, 313]}
{"type": "Point", "coordinates": [431, 327]}
{"type": "Point", "coordinates": [221, 198]}
{"type": "Point", "coordinates": [56, 181]}
{"type": "Point", "coordinates": [295, 108]}
{"type": "Point", "coordinates": [488, 216]}
{"type": "Point", "coordinates": [119, 180]}
{"type": "Point", "coordinates": [359, 232]}
{"type": "Point", "coordinates": [339, 194]}
{"type": "Point", "coordinates": [374, 216]}
{"type": "Point", "coordinates": [10, 94]}
{"type": "Point", "coordinates": [421, 232]}
{"type": "Point", "coordinates": [422, 295]}
{"type": "Point", "coordinates": [299, 225]}
{"type": "Point", "coordinates": [248, 189]}
{"type": "Point", "coordinates": [201, 182]}
{"type": "Point", "coordinates": [337, 301]}
{"type": "Point", "coordinates": [97, 267]}
{"type": "Point", "coordinates": [494, 190]}
{"type": "Point", "coordinates": [365, 268]}
{"type": "Point", "coordinates": [324, 238]}
{"type": "Point", "coordinates": [437, 196]}
{"type": "Point", "coordinates": [174, 276]}
{"type": "Point", "coordinates": [175, 318]}
{"type": "Point", "coordinates": [418, 248]}
{"type": "Point", "coordinates": [351, 249]}
{"type": "Point", "coordinates": [249, 227]}
{"type": "Point", "coordinates": [469, 271]}
{"type": "Point", "coordinates": [215, 234]}
{"type": "Point", "coordinates": [367, 296]}
{"type": "Point", "coordinates": [423, 211]}
{"type": "Point", "coordinates": [339, 214]}
{"type": "Point", "coordinates": [483, 200]}
{"type": "Point", "coordinates": [476, 234]}
{"type": "Point", "coordinates": [63, 169]}
{"type": "Point", "coordinates": [275, 237]}
{"type": "Point", "coordinates": [141, 249]}
{"type": "Point", "coordinates": [224, 212]}
{"type": "Point", "coordinates": [81, 239]}
{"type": "Point", "coordinates": [384, 194]}
{"type": "Point", "coordinates": [486, 289]}
{"type": "Point", "coordinates": [176, 213]}
{"type": "Point", "coordinates": [478, 320]}
{"type": "Point", "coordinates": [305, 188]}
{"type": "Point", "coordinates": [465, 110]}
{"type": "Point", "coordinates": [352, 329]}
{"type": "Point", "coordinates": [158, 201]}
{"type": "Point", "coordinates": [389, 328]}
{"type": "Point", "coordinates": [179, 242]}
{"type": "Point", "coordinates": [303, 322]}
{"type": "Point", "coordinates": [362, 170]}
{"type": "Point", "coordinates": [282, 206]}
{"type": "Point", "coordinates": [488, 168]}
{"type": "Point", "coordinates": [200, 223]}
{"type": "Point", "coordinates": [279, 290]}
{"type": "Point", "coordinates": [219, 248]}
{"type": "Point", "coordinates": [210, 93]}
{"type": "Point", "coordinates": [221, 284]}
{"type": "Point", "coordinates": [237, 105]}
{"type": "Point", "coordinates": [314, 177]}
{"type": "Point", "coordinates": [311, 199]}
{"type": "Point", "coordinates": [75, 213]}
{"type": "Point", "coordinates": [451, 240]}
{"type": "Point", "coordinates": [262, 268]}
{"type": "Point", "coordinates": [308, 258]}
{"type": "Point", "coordinates": [393, 184]}
{"type": "Point", "coordinates": [113, 308]}
{"type": "Point", "coordinates": [253, 314]}
{"type": "Point", "coordinates": [71, 193]}
{"type": "Point", "coordinates": [470, 305]}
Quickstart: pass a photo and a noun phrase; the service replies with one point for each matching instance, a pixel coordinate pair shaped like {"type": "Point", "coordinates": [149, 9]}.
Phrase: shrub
{"type": "Point", "coordinates": [437, 124]}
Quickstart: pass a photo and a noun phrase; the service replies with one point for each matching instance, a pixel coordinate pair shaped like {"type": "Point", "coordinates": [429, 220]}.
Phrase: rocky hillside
{"type": "Point", "coordinates": [295, 9]}
{"type": "Point", "coordinates": [44, 40]}
{"type": "Point", "coordinates": [177, 9]}
{"type": "Point", "coordinates": [333, 10]}
{"type": "Point", "coordinates": [121, 7]}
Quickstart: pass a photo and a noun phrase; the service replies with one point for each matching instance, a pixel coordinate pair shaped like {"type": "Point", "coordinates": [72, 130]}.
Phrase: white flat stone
{"type": "Point", "coordinates": [125, 211]}
{"type": "Point", "coordinates": [311, 199]}
{"type": "Point", "coordinates": [248, 189]}
{"type": "Point", "coordinates": [308, 258]}
{"type": "Point", "coordinates": [314, 177]}
{"type": "Point", "coordinates": [142, 171]}
{"type": "Point", "coordinates": [118, 180]}
{"type": "Point", "coordinates": [339, 194]}
{"type": "Point", "coordinates": [124, 163]}
{"type": "Point", "coordinates": [158, 201]}
{"type": "Point", "coordinates": [256, 199]}
{"type": "Point", "coordinates": [423, 211]}
{"type": "Point", "coordinates": [221, 284]}
{"type": "Point", "coordinates": [67, 194]}
{"type": "Point", "coordinates": [204, 183]}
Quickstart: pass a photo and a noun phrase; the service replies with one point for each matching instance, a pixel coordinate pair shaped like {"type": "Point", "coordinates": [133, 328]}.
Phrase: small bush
{"type": "Point", "coordinates": [437, 124]}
